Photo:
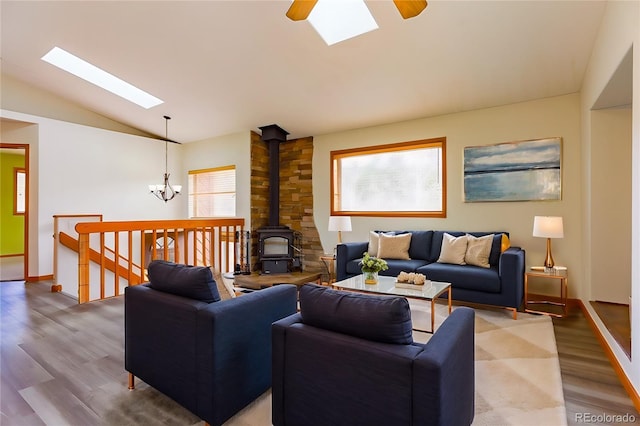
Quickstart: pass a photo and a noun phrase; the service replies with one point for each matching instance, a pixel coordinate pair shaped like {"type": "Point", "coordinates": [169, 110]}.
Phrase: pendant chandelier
{"type": "Point", "coordinates": [165, 191]}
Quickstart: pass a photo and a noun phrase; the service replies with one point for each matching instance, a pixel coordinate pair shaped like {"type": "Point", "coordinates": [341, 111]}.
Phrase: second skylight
{"type": "Point", "coordinates": [339, 20]}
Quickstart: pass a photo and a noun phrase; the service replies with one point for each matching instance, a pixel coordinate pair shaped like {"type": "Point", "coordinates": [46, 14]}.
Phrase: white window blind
{"type": "Point", "coordinates": [212, 192]}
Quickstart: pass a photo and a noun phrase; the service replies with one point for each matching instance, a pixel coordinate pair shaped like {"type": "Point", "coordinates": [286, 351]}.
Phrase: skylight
{"type": "Point", "coordinates": [83, 69]}
{"type": "Point", "coordinates": [339, 20]}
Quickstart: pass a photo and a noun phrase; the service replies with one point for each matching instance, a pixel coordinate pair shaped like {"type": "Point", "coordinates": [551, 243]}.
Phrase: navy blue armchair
{"type": "Point", "coordinates": [349, 359]}
{"type": "Point", "coordinates": [211, 358]}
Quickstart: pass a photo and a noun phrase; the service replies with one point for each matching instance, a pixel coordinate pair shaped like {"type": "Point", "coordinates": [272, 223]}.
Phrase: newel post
{"type": "Point", "coordinates": [83, 268]}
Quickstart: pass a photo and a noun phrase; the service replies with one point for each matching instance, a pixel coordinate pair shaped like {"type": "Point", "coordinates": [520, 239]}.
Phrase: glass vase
{"type": "Point", "coordinates": [370, 277]}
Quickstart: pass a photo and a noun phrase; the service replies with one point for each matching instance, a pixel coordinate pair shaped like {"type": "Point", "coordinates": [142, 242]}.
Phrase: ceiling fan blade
{"type": "Point", "coordinates": [410, 8]}
{"type": "Point", "coordinates": [300, 9]}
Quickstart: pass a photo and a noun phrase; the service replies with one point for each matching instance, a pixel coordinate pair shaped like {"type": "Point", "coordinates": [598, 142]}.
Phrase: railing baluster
{"type": "Point", "coordinates": [203, 245]}
{"type": "Point", "coordinates": [154, 236]}
{"type": "Point", "coordinates": [216, 236]}
{"type": "Point", "coordinates": [143, 256]}
{"type": "Point", "coordinates": [102, 258]}
{"type": "Point", "coordinates": [165, 245]}
{"type": "Point", "coordinates": [176, 248]}
{"type": "Point", "coordinates": [223, 237]}
{"type": "Point", "coordinates": [213, 238]}
{"type": "Point", "coordinates": [185, 243]}
{"type": "Point", "coordinates": [130, 257]}
{"type": "Point", "coordinates": [193, 244]}
{"type": "Point", "coordinates": [231, 238]}
{"type": "Point", "coordinates": [116, 256]}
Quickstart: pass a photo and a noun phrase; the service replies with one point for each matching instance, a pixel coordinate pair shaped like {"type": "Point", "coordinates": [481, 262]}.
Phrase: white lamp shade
{"type": "Point", "coordinates": [340, 223]}
{"type": "Point", "coordinates": [548, 227]}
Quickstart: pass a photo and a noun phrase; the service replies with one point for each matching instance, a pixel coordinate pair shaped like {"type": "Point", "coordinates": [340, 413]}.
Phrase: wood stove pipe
{"type": "Point", "coordinates": [273, 135]}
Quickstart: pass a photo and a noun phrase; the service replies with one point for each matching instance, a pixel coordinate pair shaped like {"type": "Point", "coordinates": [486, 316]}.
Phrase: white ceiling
{"type": "Point", "coordinates": [228, 66]}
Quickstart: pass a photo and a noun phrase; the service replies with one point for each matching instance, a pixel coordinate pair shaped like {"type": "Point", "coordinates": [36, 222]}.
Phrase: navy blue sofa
{"type": "Point", "coordinates": [211, 356]}
{"type": "Point", "coordinates": [349, 359]}
{"type": "Point", "coordinates": [502, 284]}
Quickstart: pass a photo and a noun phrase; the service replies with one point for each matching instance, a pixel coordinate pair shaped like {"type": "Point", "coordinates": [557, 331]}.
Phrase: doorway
{"type": "Point", "coordinates": [14, 212]}
{"type": "Point", "coordinates": [611, 204]}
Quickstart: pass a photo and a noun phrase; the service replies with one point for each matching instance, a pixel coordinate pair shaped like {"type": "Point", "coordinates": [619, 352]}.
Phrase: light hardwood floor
{"type": "Point", "coordinates": [590, 383]}
{"type": "Point", "coordinates": [11, 268]}
{"type": "Point", "coordinates": [616, 318]}
{"type": "Point", "coordinates": [61, 363]}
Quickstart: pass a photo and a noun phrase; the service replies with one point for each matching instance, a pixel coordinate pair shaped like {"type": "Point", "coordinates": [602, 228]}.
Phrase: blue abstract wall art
{"type": "Point", "coordinates": [514, 171]}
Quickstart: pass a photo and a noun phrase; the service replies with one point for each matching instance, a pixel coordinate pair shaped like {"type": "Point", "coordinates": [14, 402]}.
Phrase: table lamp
{"type": "Point", "coordinates": [548, 227]}
{"type": "Point", "coordinates": [339, 223]}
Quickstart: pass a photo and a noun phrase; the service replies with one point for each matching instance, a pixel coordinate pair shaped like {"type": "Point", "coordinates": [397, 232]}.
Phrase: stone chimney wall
{"type": "Point", "coordinates": [296, 196]}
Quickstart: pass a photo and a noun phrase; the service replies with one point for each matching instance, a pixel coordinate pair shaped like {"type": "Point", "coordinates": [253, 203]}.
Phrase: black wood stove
{"type": "Point", "coordinates": [279, 248]}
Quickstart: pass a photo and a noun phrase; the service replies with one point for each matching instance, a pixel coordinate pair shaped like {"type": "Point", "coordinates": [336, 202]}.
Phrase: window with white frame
{"type": "Point", "coordinates": [19, 191]}
{"type": "Point", "coordinates": [212, 192]}
{"type": "Point", "coordinates": [403, 179]}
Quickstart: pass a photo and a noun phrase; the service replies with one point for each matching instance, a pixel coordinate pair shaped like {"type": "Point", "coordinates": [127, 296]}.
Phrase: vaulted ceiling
{"type": "Point", "coordinates": [228, 66]}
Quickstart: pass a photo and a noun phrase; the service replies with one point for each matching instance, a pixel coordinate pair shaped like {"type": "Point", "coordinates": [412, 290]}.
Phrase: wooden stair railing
{"type": "Point", "coordinates": [206, 242]}
{"type": "Point", "coordinates": [73, 244]}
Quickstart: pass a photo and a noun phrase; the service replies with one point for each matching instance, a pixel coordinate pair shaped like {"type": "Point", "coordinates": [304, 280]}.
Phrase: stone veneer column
{"type": "Point", "coordinates": [296, 196]}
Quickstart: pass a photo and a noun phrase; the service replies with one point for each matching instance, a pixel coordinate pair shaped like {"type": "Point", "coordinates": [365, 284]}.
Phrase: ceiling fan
{"type": "Point", "coordinates": [300, 9]}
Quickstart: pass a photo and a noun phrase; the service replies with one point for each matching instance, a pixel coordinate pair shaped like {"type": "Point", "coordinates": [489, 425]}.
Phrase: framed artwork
{"type": "Point", "coordinates": [514, 171]}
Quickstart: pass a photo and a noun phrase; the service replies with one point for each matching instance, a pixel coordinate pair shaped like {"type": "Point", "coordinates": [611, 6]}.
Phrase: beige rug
{"type": "Point", "coordinates": [517, 377]}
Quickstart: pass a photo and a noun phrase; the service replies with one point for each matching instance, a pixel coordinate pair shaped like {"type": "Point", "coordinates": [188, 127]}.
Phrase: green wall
{"type": "Point", "coordinates": [11, 226]}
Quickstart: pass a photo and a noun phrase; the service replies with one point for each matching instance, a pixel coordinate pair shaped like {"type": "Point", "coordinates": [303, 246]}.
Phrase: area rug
{"type": "Point", "coordinates": [518, 378]}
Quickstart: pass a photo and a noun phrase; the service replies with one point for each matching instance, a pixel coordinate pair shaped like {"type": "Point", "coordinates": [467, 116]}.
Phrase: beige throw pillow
{"type": "Point", "coordinates": [478, 250]}
{"type": "Point", "coordinates": [394, 246]}
{"type": "Point", "coordinates": [374, 242]}
{"type": "Point", "coordinates": [453, 249]}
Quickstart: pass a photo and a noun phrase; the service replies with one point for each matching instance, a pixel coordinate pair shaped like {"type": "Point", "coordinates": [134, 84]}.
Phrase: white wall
{"type": "Point", "coordinates": [619, 31]}
{"type": "Point", "coordinates": [20, 97]}
{"type": "Point", "coordinates": [558, 116]}
{"type": "Point", "coordinates": [234, 149]}
{"type": "Point", "coordinates": [610, 267]}
{"type": "Point", "coordinates": [634, 369]}
{"type": "Point", "coordinates": [635, 211]}
{"type": "Point", "coordinates": [77, 169]}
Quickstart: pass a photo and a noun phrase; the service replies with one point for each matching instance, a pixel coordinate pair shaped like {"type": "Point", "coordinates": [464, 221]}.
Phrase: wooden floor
{"type": "Point", "coordinates": [61, 361]}
{"type": "Point", "coordinates": [11, 268]}
{"type": "Point", "coordinates": [616, 318]}
{"type": "Point", "coordinates": [589, 381]}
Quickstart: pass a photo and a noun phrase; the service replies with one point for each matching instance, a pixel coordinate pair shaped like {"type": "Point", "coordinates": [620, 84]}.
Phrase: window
{"type": "Point", "coordinates": [19, 191]}
{"type": "Point", "coordinates": [404, 179]}
{"type": "Point", "coordinates": [212, 192]}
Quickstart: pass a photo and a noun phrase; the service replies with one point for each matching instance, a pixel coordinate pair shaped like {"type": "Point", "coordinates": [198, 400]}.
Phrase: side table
{"type": "Point", "coordinates": [328, 260]}
{"type": "Point", "coordinates": [562, 278]}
